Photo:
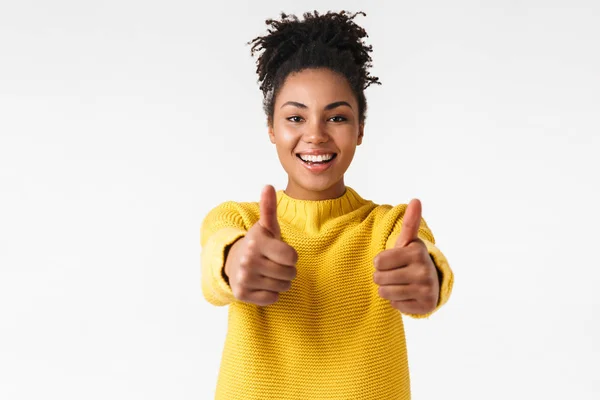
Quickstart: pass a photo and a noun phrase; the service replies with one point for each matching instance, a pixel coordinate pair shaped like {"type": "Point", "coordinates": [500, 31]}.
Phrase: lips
{"type": "Point", "coordinates": [316, 162]}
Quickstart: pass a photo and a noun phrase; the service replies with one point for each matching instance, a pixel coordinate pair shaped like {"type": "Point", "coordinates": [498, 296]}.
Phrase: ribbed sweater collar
{"type": "Point", "coordinates": [310, 215]}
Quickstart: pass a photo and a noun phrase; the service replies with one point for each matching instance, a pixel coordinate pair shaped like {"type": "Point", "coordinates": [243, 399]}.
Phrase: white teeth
{"type": "Point", "coordinates": [319, 158]}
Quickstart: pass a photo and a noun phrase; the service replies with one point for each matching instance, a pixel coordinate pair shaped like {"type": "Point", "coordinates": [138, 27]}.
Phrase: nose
{"type": "Point", "coordinates": [315, 133]}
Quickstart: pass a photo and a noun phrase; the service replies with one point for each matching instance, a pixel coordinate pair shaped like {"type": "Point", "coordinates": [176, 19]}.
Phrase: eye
{"type": "Point", "coordinates": [294, 118]}
{"type": "Point", "coordinates": [338, 118]}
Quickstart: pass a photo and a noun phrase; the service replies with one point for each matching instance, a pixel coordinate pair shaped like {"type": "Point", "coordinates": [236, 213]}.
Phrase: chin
{"type": "Point", "coordinates": [316, 183]}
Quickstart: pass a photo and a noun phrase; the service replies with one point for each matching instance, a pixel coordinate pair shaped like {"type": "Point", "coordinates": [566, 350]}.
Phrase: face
{"type": "Point", "coordinates": [316, 129]}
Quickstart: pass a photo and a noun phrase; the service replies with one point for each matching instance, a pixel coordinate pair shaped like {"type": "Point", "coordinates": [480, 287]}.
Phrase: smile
{"type": "Point", "coordinates": [316, 159]}
{"type": "Point", "coordinates": [316, 163]}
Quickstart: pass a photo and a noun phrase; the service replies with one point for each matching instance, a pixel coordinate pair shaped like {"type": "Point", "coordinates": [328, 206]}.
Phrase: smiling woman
{"type": "Point", "coordinates": [316, 277]}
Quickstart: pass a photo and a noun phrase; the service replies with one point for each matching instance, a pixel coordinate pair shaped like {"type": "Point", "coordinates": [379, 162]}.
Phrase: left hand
{"type": "Point", "coordinates": [406, 274]}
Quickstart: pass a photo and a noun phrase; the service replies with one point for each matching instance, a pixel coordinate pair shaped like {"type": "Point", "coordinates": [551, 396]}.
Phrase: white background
{"type": "Point", "coordinates": [122, 123]}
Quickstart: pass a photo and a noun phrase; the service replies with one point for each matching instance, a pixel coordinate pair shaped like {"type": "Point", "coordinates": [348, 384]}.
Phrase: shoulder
{"type": "Point", "coordinates": [388, 213]}
{"type": "Point", "coordinates": [234, 206]}
{"type": "Point", "coordinates": [242, 214]}
{"type": "Point", "coordinates": [387, 220]}
{"type": "Point", "coordinates": [374, 210]}
{"type": "Point", "coordinates": [389, 210]}
{"type": "Point", "coordinates": [387, 217]}
{"type": "Point", "coordinates": [382, 217]}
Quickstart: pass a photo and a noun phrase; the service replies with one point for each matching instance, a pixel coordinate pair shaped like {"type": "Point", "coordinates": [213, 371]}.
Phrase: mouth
{"type": "Point", "coordinates": [315, 160]}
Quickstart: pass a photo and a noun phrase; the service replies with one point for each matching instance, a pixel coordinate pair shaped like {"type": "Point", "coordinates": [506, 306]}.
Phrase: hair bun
{"type": "Point", "coordinates": [332, 40]}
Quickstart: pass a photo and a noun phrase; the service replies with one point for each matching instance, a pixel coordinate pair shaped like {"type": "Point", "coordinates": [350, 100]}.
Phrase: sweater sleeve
{"type": "Point", "coordinates": [221, 227]}
{"type": "Point", "coordinates": [441, 263]}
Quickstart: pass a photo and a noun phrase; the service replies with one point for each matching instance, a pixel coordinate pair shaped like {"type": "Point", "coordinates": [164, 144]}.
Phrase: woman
{"type": "Point", "coordinates": [317, 278]}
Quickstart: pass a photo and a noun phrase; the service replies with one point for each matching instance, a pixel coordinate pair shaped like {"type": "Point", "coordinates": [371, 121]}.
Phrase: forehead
{"type": "Point", "coordinates": [315, 87]}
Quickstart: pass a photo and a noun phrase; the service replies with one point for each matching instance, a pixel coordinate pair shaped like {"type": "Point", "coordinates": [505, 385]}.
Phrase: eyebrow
{"type": "Point", "coordinates": [327, 107]}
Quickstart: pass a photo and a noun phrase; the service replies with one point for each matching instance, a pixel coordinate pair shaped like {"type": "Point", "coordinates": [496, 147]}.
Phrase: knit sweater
{"type": "Point", "coordinates": [331, 336]}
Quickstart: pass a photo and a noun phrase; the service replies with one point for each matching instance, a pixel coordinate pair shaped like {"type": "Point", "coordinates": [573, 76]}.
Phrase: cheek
{"type": "Point", "coordinates": [285, 138]}
{"type": "Point", "coordinates": [347, 140]}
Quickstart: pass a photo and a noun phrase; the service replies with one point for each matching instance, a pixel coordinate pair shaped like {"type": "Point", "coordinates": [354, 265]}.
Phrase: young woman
{"type": "Point", "coordinates": [317, 278]}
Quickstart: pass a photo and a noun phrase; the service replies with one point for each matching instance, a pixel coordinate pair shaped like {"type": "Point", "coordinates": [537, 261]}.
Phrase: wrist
{"type": "Point", "coordinates": [229, 256]}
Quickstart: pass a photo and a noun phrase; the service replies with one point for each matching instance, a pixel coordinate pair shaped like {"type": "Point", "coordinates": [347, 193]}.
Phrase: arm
{"type": "Point", "coordinates": [243, 257]}
{"type": "Point", "coordinates": [444, 273]}
{"type": "Point", "coordinates": [221, 228]}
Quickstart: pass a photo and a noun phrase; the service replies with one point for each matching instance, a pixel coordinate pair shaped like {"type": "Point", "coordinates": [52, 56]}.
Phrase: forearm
{"type": "Point", "coordinates": [215, 286]}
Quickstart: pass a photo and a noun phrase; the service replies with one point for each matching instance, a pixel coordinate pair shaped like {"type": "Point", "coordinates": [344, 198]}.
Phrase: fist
{"type": "Point", "coordinates": [260, 265]}
{"type": "Point", "coordinates": [406, 274]}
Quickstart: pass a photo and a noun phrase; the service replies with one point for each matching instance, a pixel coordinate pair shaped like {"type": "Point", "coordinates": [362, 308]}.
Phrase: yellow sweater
{"type": "Point", "coordinates": [330, 336]}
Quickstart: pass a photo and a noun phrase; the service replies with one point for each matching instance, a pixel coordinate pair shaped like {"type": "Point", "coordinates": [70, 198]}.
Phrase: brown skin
{"type": "Point", "coordinates": [316, 109]}
{"type": "Point", "coordinates": [295, 129]}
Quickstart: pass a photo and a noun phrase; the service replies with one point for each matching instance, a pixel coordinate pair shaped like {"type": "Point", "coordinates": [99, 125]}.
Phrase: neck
{"type": "Point", "coordinates": [298, 192]}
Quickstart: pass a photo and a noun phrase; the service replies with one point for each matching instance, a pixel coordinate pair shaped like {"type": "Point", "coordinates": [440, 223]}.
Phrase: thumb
{"type": "Point", "coordinates": [410, 223]}
{"type": "Point", "coordinates": [268, 211]}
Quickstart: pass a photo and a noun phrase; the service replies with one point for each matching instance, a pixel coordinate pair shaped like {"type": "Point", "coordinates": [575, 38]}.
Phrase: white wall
{"type": "Point", "coordinates": [123, 122]}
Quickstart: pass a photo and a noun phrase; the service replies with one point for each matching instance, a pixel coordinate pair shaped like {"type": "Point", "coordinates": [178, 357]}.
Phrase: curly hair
{"type": "Point", "coordinates": [332, 40]}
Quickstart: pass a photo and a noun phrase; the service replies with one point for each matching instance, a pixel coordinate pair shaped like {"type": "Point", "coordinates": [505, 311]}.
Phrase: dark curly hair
{"type": "Point", "coordinates": [332, 40]}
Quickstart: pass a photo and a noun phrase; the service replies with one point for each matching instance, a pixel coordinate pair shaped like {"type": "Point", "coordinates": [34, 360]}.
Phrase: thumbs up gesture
{"type": "Point", "coordinates": [260, 265]}
{"type": "Point", "coordinates": [406, 274]}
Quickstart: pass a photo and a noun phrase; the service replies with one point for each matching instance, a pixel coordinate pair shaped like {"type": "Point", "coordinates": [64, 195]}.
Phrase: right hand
{"type": "Point", "coordinates": [261, 265]}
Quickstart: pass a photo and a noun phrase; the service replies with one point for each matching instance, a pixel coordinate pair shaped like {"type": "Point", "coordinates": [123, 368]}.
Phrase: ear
{"type": "Point", "coordinates": [271, 133]}
{"type": "Point", "coordinates": [361, 133]}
